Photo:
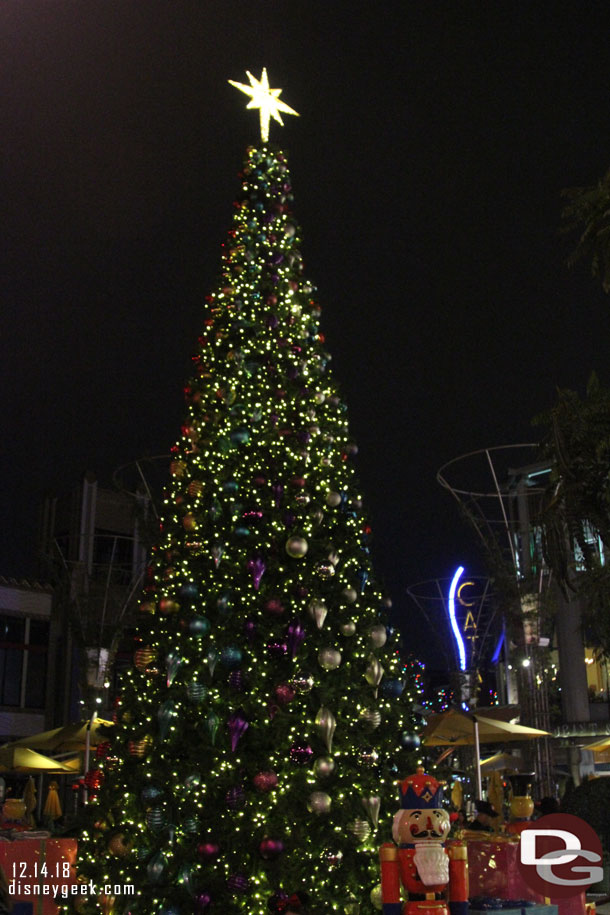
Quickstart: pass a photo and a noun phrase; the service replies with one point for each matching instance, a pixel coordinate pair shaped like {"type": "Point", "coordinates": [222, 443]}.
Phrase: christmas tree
{"type": "Point", "coordinates": [268, 713]}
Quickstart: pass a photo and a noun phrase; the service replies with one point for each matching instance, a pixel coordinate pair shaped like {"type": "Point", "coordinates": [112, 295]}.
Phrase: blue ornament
{"type": "Point", "coordinates": [409, 741]}
{"type": "Point", "coordinates": [189, 591]}
{"type": "Point", "coordinates": [392, 689]}
{"type": "Point", "coordinates": [230, 486]}
{"type": "Point", "coordinates": [231, 656]}
{"type": "Point", "coordinates": [242, 531]}
{"type": "Point", "coordinates": [240, 436]}
{"type": "Point", "coordinates": [150, 793]}
{"type": "Point", "coordinates": [199, 626]}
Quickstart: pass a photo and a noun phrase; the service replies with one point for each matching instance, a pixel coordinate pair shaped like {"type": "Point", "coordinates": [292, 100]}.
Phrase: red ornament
{"type": "Point", "coordinates": [284, 693]}
{"type": "Point", "coordinates": [265, 781]}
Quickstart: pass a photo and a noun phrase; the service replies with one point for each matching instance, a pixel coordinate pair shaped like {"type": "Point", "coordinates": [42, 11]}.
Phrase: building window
{"type": "Point", "coordinates": [23, 661]}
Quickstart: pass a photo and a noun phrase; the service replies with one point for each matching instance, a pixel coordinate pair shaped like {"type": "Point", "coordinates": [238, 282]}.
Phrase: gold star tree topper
{"type": "Point", "coordinates": [266, 99]}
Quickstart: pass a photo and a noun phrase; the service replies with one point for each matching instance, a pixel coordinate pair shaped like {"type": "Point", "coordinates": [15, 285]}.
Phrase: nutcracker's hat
{"type": "Point", "coordinates": [421, 792]}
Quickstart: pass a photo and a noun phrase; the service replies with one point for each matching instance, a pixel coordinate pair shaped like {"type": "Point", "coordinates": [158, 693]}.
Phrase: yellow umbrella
{"type": "Point", "coordinates": [599, 746]}
{"type": "Point", "coordinates": [29, 799]}
{"type": "Point", "coordinates": [457, 728]}
{"type": "Point", "coordinates": [501, 762]}
{"type": "Point", "coordinates": [22, 759]}
{"type": "Point", "coordinates": [52, 807]}
{"type": "Point", "coordinates": [69, 737]}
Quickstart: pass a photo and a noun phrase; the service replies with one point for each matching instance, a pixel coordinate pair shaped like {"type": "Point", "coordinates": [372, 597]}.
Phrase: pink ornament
{"type": "Point", "coordinates": [265, 781]}
{"type": "Point", "coordinates": [274, 606]}
{"type": "Point", "coordinates": [238, 725]}
{"type": "Point", "coordinates": [257, 568]}
{"type": "Point", "coordinates": [284, 693]}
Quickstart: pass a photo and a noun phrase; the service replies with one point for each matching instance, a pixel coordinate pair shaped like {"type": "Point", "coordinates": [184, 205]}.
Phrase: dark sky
{"type": "Point", "coordinates": [433, 144]}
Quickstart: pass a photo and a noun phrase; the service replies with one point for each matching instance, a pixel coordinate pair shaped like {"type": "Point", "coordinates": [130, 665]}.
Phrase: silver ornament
{"type": "Point", "coordinates": [318, 610]}
{"type": "Point", "coordinates": [378, 635]}
{"type": "Point", "coordinates": [319, 802]}
{"type": "Point", "coordinates": [349, 594]}
{"type": "Point", "coordinates": [326, 724]}
{"type": "Point", "coordinates": [371, 717]}
{"type": "Point", "coordinates": [348, 627]}
{"type": "Point", "coordinates": [323, 766]}
{"type": "Point", "coordinates": [374, 671]}
{"type": "Point", "coordinates": [360, 829]}
{"type": "Point", "coordinates": [333, 499]}
{"type": "Point", "coordinates": [329, 658]}
{"type": "Point", "coordinates": [372, 805]}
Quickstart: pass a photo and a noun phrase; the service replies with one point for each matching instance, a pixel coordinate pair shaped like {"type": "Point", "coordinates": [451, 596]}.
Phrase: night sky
{"type": "Point", "coordinates": [428, 162]}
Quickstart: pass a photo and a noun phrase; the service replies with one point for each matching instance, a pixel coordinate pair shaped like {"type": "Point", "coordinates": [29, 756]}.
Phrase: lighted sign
{"type": "Point", "coordinates": [452, 618]}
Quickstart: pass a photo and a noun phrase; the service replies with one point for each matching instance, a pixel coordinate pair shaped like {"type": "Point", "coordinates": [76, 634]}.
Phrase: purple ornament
{"type": "Point", "coordinates": [278, 491]}
{"type": "Point", "coordinates": [300, 754]}
{"type": "Point", "coordinates": [238, 725]}
{"type": "Point", "coordinates": [272, 320]}
{"type": "Point", "coordinates": [289, 518]}
{"type": "Point", "coordinates": [236, 681]}
{"type": "Point", "coordinates": [238, 883]}
{"type": "Point", "coordinates": [270, 849]}
{"type": "Point", "coordinates": [250, 629]}
{"type": "Point", "coordinates": [294, 636]}
{"type": "Point", "coordinates": [202, 902]}
{"type": "Point", "coordinates": [235, 797]}
{"type": "Point", "coordinates": [257, 568]}
{"type": "Point", "coordinates": [277, 650]}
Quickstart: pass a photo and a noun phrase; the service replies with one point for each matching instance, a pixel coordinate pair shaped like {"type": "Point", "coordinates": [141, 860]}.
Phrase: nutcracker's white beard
{"type": "Point", "coordinates": [432, 863]}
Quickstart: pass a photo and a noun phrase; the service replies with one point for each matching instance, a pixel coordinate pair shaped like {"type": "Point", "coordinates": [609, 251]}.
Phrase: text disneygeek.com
{"type": "Point", "coordinates": [63, 890]}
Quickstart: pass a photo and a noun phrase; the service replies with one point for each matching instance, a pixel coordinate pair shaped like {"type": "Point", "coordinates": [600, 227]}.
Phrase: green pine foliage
{"type": "Point", "coordinates": [268, 715]}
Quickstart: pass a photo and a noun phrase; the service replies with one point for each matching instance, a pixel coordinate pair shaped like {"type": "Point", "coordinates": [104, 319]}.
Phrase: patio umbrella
{"type": "Point", "coordinates": [70, 737]}
{"type": "Point", "coordinates": [599, 746]}
{"type": "Point", "coordinates": [501, 762]}
{"type": "Point", "coordinates": [457, 728]}
{"type": "Point", "coordinates": [22, 759]}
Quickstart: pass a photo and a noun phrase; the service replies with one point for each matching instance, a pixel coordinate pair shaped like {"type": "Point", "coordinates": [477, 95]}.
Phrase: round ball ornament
{"type": "Point", "coordinates": [265, 781]}
{"type": "Point", "coordinates": [409, 741]}
{"type": "Point", "coordinates": [191, 826]}
{"type": "Point", "coordinates": [300, 754]}
{"type": "Point", "coordinates": [302, 682]}
{"type": "Point", "coordinates": [155, 818]}
{"type": "Point", "coordinates": [189, 592]}
{"type": "Point", "coordinates": [392, 689]}
{"type": "Point", "coordinates": [150, 793]}
{"type": "Point", "coordinates": [329, 658]}
{"type": "Point", "coordinates": [202, 902]}
{"type": "Point", "coordinates": [348, 628]}
{"type": "Point", "coordinates": [277, 649]}
{"type": "Point", "coordinates": [118, 847]}
{"type": "Point", "coordinates": [324, 766]}
{"type": "Point", "coordinates": [207, 851]}
{"type": "Point", "coordinates": [270, 849]}
{"type": "Point", "coordinates": [333, 858]}
{"type": "Point", "coordinates": [376, 898]}
{"type": "Point", "coordinates": [333, 499]}
{"type": "Point", "coordinates": [378, 635]}
{"type": "Point", "coordinates": [319, 803]}
{"type": "Point", "coordinates": [368, 757]}
{"type": "Point", "coordinates": [284, 693]}
{"type": "Point", "coordinates": [296, 547]}
{"type": "Point", "coordinates": [325, 569]}
{"type": "Point", "coordinates": [274, 607]}
{"type": "Point", "coordinates": [199, 626]}
{"type": "Point", "coordinates": [349, 594]}
{"type": "Point", "coordinates": [231, 656]}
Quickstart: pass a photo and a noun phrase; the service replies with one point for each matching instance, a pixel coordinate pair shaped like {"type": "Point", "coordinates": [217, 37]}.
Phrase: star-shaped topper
{"type": "Point", "coordinates": [266, 99]}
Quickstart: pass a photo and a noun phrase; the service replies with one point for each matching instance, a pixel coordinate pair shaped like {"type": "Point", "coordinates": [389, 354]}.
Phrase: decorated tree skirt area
{"type": "Point", "coordinates": [496, 882]}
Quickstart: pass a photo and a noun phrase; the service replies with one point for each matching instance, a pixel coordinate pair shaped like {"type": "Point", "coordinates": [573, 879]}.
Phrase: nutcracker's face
{"type": "Point", "coordinates": [421, 826]}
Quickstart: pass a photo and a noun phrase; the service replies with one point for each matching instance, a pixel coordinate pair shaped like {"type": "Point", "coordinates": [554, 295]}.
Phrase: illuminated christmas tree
{"type": "Point", "coordinates": [268, 713]}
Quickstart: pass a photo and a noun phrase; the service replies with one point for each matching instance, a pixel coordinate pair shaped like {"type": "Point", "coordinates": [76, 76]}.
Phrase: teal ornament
{"type": "Point", "coordinates": [156, 867]}
{"type": "Point", "coordinates": [165, 714]}
{"type": "Point", "coordinates": [212, 724]}
{"type": "Point", "coordinates": [231, 657]}
{"type": "Point", "coordinates": [173, 662]}
{"type": "Point", "coordinates": [199, 626]}
{"type": "Point", "coordinates": [231, 486]}
{"type": "Point", "coordinates": [155, 818]}
{"type": "Point", "coordinates": [185, 877]}
{"type": "Point", "coordinates": [191, 825]}
{"type": "Point", "coordinates": [240, 436]}
{"type": "Point", "coordinates": [189, 592]}
{"type": "Point", "coordinates": [212, 659]}
{"type": "Point", "coordinates": [150, 793]}
{"type": "Point", "coordinates": [242, 531]}
{"type": "Point", "coordinates": [196, 692]}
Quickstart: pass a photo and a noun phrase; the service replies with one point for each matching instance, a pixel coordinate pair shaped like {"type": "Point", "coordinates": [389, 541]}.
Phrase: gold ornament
{"type": "Point", "coordinates": [266, 99]}
{"type": "Point", "coordinates": [319, 802]}
{"type": "Point", "coordinates": [374, 671]}
{"type": "Point", "coordinates": [371, 717]}
{"type": "Point", "coordinates": [143, 657]}
{"type": "Point", "coordinates": [360, 829]}
{"type": "Point", "coordinates": [376, 898]}
{"type": "Point", "coordinates": [329, 658]}
{"type": "Point", "coordinates": [118, 846]}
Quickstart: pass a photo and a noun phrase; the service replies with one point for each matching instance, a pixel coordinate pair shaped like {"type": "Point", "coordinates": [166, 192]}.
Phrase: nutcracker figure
{"type": "Point", "coordinates": [435, 877]}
